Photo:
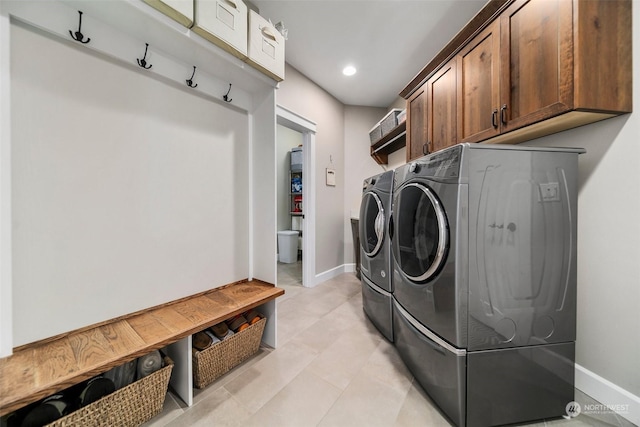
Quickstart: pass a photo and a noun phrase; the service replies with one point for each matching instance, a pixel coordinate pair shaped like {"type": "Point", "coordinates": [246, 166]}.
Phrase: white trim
{"type": "Point", "coordinates": [6, 315]}
{"type": "Point", "coordinates": [332, 273]}
{"type": "Point", "coordinates": [294, 121]}
{"type": "Point", "coordinates": [182, 373]}
{"type": "Point", "coordinates": [308, 128]}
{"type": "Point", "coordinates": [608, 393]}
{"type": "Point", "coordinates": [250, 149]}
{"type": "Point", "coordinates": [350, 267]}
{"type": "Point", "coordinates": [309, 222]}
{"type": "Point", "coordinates": [270, 336]}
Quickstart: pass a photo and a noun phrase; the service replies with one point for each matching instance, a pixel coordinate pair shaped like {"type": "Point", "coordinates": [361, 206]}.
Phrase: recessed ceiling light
{"type": "Point", "coordinates": [349, 70]}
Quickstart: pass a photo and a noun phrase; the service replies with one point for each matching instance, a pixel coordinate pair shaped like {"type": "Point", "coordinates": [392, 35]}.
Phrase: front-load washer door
{"type": "Point", "coordinates": [371, 224]}
{"type": "Point", "coordinates": [424, 261]}
{"type": "Point", "coordinates": [375, 256]}
{"type": "Point", "coordinates": [421, 235]}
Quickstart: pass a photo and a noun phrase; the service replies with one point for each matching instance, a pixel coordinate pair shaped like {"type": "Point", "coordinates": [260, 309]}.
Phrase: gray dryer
{"type": "Point", "coordinates": [484, 272]}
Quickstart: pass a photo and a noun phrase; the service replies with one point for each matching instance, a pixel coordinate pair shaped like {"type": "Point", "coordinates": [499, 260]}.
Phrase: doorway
{"type": "Point", "coordinates": [296, 209]}
{"type": "Point", "coordinates": [290, 195]}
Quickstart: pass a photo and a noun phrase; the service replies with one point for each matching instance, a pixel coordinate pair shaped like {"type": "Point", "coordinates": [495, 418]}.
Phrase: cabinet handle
{"type": "Point", "coordinates": [232, 3]}
{"type": "Point", "coordinates": [503, 114]}
{"type": "Point", "coordinates": [425, 149]}
{"type": "Point", "coordinates": [494, 118]}
{"type": "Point", "coordinates": [268, 34]}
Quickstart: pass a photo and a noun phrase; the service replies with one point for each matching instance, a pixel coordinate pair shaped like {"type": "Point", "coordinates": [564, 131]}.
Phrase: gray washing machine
{"type": "Point", "coordinates": [375, 251]}
{"type": "Point", "coordinates": [484, 273]}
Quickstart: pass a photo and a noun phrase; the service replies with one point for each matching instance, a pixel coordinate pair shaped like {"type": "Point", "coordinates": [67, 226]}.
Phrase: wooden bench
{"type": "Point", "coordinates": [37, 370]}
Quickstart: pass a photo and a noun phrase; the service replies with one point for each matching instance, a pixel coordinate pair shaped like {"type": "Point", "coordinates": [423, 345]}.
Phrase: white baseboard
{"type": "Point", "coordinates": [334, 272]}
{"type": "Point", "coordinates": [624, 403]}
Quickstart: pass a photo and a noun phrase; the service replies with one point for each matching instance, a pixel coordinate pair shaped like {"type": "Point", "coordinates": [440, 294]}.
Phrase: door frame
{"type": "Point", "coordinates": [307, 128]}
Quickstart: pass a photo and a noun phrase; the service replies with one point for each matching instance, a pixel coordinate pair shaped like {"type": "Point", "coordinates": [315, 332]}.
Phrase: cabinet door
{"type": "Point", "coordinates": [479, 86]}
{"type": "Point", "coordinates": [417, 124]}
{"type": "Point", "coordinates": [441, 108]}
{"type": "Point", "coordinates": [537, 61]}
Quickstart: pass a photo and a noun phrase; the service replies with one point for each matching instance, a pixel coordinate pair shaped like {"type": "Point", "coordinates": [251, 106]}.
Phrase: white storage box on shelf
{"type": "Point", "coordinates": [375, 133]}
{"type": "Point", "coordinates": [179, 10]}
{"type": "Point", "coordinates": [266, 47]}
{"type": "Point", "coordinates": [402, 117]}
{"type": "Point", "coordinates": [223, 23]}
{"type": "Point", "coordinates": [296, 159]}
{"type": "Point", "coordinates": [390, 121]}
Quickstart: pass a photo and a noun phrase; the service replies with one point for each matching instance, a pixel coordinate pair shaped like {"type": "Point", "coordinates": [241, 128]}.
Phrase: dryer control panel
{"type": "Point", "coordinates": [443, 164]}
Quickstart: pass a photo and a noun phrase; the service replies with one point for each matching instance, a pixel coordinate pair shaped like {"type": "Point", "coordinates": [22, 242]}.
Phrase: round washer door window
{"type": "Point", "coordinates": [421, 236]}
{"type": "Point", "coordinates": [371, 224]}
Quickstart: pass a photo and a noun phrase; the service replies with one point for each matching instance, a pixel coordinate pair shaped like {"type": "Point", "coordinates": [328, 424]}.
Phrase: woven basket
{"type": "Point", "coordinates": [130, 406]}
{"type": "Point", "coordinates": [389, 121]}
{"type": "Point", "coordinates": [213, 362]}
{"type": "Point", "coordinates": [375, 134]}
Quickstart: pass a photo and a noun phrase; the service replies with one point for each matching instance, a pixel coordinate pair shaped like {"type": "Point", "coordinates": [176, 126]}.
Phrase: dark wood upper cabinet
{"type": "Point", "coordinates": [431, 114]}
{"type": "Point", "coordinates": [417, 124]}
{"type": "Point", "coordinates": [536, 69]}
{"type": "Point", "coordinates": [441, 108]}
{"type": "Point", "coordinates": [602, 58]}
{"type": "Point", "coordinates": [528, 68]}
{"type": "Point", "coordinates": [479, 86]}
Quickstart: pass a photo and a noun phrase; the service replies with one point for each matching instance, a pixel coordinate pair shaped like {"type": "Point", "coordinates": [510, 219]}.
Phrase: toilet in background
{"type": "Point", "coordinates": [288, 246]}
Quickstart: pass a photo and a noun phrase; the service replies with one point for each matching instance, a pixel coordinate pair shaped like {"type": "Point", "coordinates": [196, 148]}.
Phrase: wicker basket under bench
{"type": "Point", "coordinates": [215, 361]}
{"type": "Point", "coordinates": [127, 407]}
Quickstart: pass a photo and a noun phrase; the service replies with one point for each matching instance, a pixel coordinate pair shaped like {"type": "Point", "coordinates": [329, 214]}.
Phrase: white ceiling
{"type": "Point", "coordinates": [388, 41]}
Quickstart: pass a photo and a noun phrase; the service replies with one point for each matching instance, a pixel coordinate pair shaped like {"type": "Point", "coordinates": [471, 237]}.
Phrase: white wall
{"type": "Point", "coordinates": [608, 318]}
{"type": "Point", "coordinates": [608, 246]}
{"type": "Point", "coordinates": [121, 195]}
{"type": "Point", "coordinates": [303, 97]}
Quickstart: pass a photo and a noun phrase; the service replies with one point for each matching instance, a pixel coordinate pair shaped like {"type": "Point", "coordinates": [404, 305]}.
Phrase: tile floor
{"type": "Point", "coordinates": [331, 368]}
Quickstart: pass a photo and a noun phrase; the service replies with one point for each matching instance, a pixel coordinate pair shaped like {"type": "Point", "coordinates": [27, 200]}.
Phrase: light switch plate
{"type": "Point", "coordinates": [331, 177]}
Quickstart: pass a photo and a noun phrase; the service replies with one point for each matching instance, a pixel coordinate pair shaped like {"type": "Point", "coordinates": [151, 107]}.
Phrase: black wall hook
{"type": "Point", "coordinates": [78, 36]}
{"type": "Point", "coordinates": [226, 97]}
{"type": "Point", "coordinates": [143, 62]}
{"type": "Point", "coordinates": [190, 81]}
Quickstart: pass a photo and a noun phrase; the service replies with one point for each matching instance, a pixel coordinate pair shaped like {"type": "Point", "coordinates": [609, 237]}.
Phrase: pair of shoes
{"type": "Point", "coordinates": [122, 375]}
{"type": "Point", "coordinates": [58, 405]}
{"type": "Point", "coordinates": [237, 323]}
{"type": "Point", "coordinates": [252, 316]}
{"type": "Point", "coordinates": [149, 363]}
{"type": "Point", "coordinates": [201, 340]}
{"type": "Point", "coordinates": [220, 330]}
{"type": "Point", "coordinates": [49, 410]}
